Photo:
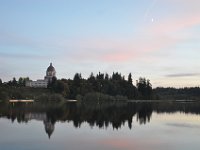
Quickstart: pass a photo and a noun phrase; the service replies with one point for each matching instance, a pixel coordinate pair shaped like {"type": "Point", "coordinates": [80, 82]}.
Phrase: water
{"type": "Point", "coordinates": [109, 126]}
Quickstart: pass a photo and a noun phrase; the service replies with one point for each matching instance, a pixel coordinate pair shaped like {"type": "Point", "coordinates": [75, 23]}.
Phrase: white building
{"type": "Point", "coordinates": [50, 73]}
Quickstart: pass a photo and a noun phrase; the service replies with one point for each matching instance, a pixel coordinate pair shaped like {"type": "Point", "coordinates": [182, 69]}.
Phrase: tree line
{"type": "Point", "coordinates": [102, 85]}
{"type": "Point", "coordinates": [21, 82]}
{"type": "Point", "coordinates": [99, 86]}
{"type": "Point", "coordinates": [95, 87]}
{"type": "Point", "coordinates": [186, 93]}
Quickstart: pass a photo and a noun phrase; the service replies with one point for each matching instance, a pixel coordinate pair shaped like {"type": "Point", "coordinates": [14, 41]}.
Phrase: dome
{"type": "Point", "coordinates": [50, 68]}
{"type": "Point", "coordinates": [50, 73]}
{"type": "Point", "coordinates": [49, 128]}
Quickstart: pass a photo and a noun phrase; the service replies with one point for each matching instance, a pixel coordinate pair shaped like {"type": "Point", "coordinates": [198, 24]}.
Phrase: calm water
{"type": "Point", "coordinates": [128, 126]}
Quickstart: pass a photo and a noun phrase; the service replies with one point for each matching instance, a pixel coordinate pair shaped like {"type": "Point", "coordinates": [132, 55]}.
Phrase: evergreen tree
{"type": "Point", "coordinates": [21, 81]}
{"type": "Point", "coordinates": [14, 82]}
{"type": "Point", "coordinates": [91, 78]}
{"type": "Point", "coordinates": [25, 80]}
{"type": "Point", "coordinates": [106, 76]}
{"type": "Point", "coordinates": [144, 88]}
{"type": "Point", "coordinates": [130, 81]}
{"type": "Point", "coordinates": [149, 90]}
{"type": "Point", "coordinates": [77, 80]}
{"type": "Point", "coordinates": [62, 88]}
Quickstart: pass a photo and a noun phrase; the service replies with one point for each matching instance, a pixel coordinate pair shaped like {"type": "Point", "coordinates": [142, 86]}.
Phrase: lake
{"type": "Point", "coordinates": [98, 126]}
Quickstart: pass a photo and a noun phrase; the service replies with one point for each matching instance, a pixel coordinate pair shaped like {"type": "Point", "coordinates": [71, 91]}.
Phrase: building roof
{"type": "Point", "coordinates": [50, 68]}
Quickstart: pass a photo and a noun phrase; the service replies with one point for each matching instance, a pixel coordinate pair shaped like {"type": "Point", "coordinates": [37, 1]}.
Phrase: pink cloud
{"type": "Point", "coordinates": [123, 52]}
{"type": "Point", "coordinates": [157, 37]}
{"type": "Point", "coordinates": [137, 51]}
{"type": "Point", "coordinates": [162, 35]}
{"type": "Point", "coordinates": [176, 24]}
{"type": "Point", "coordinates": [149, 39]}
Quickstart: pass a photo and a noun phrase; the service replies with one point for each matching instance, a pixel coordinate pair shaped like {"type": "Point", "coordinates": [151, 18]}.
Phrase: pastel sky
{"type": "Point", "coordinates": [156, 39]}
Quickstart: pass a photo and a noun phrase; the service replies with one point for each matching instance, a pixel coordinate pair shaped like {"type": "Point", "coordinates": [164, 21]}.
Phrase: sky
{"type": "Point", "coordinates": [156, 39]}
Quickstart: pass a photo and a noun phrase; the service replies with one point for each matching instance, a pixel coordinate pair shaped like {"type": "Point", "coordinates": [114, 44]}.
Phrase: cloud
{"type": "Point", "coordinates": [183, 75]}
{"type": "Point", "coordinates": [148, 39]}
{"type": "Point", "coordinates": [183, 125]}
{"type": "Point", "coordinates": [119, 49]}
{"type": "Point", "coordinates": [172, 25]}
{"type": "Point", "coordinates": [164, 34]}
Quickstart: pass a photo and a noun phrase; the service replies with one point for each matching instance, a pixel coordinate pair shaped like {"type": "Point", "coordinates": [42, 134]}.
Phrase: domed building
{"type": "Point", "coordinates": [50, 73]}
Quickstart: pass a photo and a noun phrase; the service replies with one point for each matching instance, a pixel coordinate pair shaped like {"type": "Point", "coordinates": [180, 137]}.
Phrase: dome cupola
{"type": "Point", "coordinates": [50, 68]}
{"type": "Point", "coordinates": [50, 73]}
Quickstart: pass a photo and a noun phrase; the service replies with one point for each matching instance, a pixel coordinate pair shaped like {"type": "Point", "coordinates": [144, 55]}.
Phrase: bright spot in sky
{"type": "Point", "coordinates": [152, 20]}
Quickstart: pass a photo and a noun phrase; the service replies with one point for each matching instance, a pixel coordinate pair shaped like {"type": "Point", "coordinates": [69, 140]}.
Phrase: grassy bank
{"type": "Point", "coordinates": [38, 94]}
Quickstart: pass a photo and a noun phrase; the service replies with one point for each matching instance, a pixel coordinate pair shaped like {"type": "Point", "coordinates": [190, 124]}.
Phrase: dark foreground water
{"type": "Point", "coordinates": [107, 126]}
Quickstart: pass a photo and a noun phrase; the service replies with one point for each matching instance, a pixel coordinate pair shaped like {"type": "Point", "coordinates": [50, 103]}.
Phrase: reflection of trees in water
{"type": "Point", "coordinates": [173, 107]}
{"type": "Point", "coordinates": [96, 114]}
{"type": "Point", "coordinates": [102, 115]}
{"type": "Point", "coordinates": [144, 113]}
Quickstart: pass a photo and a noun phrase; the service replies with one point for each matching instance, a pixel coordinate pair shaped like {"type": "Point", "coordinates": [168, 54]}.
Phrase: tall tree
{"type": "Point", "coordinates": [25, 80]}
{"type": "Point", "coordinates": [106, 76]}
{"type": "Point", "coordinates": [149, 90]}
{"type": "Point", "coordinates": [144, 88]}
{"type": "Point", "coordinates": [21, 81]}
{"type": "Point", "coordinates": [62, 87]}
{"type": "Point", "coordinates": [92, 78]}
{"type": "Point", "coordinates": [130, 81]}
{"type": "Point", "coordinates": [14, 82]}
{"type": "Point", "coordinates": [77, 80]}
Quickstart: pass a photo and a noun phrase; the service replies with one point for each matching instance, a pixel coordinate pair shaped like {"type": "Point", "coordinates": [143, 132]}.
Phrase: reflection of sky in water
{"type": "Point", "coordinates": [165, 131]}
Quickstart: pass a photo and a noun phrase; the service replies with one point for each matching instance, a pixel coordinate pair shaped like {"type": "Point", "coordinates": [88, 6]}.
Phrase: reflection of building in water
{"type": "Point", "coordinates": [50, 73]}
{"type": "Point", "coordinates": [36, 116]}
{"type": "Point", "coordinates": [48, 125]}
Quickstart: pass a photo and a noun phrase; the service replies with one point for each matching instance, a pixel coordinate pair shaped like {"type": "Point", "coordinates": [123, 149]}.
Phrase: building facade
{"type": "Point", "coordinates": [50, 73]}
